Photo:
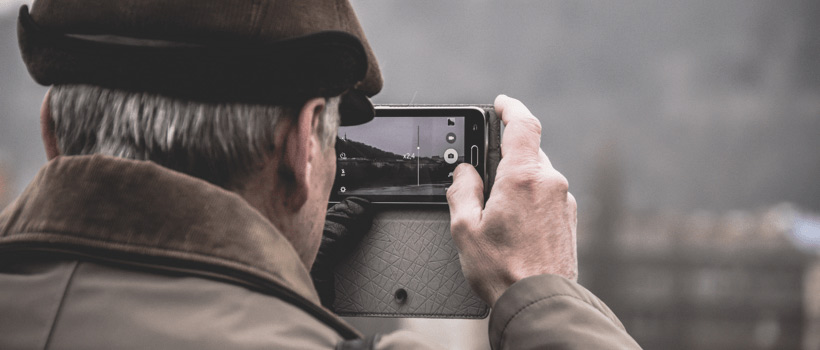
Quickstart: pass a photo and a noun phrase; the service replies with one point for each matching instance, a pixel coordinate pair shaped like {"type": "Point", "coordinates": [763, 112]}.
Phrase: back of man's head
{"type": "Point", "coordinates": [222, 143]}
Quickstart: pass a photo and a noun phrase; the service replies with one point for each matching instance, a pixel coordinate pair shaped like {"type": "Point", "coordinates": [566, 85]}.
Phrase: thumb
{"type": "Point", "coordinates": [465, 196]}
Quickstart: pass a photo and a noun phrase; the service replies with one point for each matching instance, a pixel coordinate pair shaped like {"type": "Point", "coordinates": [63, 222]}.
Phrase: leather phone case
{"type": "Point", "coordinates": [407, 264]}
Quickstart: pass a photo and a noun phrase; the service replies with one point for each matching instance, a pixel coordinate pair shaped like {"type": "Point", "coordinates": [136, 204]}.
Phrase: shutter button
{"type": "Point", "coordinates": [401, 296]}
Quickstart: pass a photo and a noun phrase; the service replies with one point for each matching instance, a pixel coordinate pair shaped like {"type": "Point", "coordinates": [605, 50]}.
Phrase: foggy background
{"type": "Point", "coordinates": [689, 132]}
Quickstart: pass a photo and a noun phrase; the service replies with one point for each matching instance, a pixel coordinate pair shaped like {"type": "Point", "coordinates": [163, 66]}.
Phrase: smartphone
{"type": "Point", "coordinates": [407, 154]}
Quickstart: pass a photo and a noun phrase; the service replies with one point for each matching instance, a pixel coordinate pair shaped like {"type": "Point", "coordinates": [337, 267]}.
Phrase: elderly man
{"type": "Point", "coordinates": [190, 148]}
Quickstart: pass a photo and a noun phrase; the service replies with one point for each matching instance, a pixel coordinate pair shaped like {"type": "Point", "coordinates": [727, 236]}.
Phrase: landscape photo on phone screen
{"type": "Point", "coordinates": [399, 156]}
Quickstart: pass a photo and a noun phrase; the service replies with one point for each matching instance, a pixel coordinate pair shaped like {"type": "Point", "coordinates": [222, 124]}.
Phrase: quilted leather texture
{"type": "Point", "coordinates": [410, 250]}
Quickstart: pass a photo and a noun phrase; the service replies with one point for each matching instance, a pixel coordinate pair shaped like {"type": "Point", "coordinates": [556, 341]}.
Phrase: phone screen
{"type": "Point", "coordinates": [407, 155]}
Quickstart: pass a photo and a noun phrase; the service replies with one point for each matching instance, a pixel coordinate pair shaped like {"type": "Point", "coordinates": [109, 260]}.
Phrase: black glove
{"type": "Point", "coordinates": [345, 225]}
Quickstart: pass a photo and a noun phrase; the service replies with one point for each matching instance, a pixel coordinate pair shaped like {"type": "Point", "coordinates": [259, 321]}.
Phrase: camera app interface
{"type": "Point", "coordinates": [398, 156]}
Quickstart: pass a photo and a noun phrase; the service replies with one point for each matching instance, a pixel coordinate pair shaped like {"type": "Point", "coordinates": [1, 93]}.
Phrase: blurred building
{"type": "Point", "coordinates": [706, 281]}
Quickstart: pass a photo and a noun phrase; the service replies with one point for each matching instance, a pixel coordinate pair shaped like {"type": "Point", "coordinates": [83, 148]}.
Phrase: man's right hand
{"type": "Point", "coordinates": [528, 225]}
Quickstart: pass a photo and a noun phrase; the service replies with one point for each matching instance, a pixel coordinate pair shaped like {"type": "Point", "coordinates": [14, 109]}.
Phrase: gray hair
{"type": "Point", "coordinates": [222, 143]}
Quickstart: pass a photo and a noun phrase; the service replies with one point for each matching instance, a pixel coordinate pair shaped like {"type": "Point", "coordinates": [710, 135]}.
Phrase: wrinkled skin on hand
{"type": "Point", "coordinates": [528, 225]}
{"type": "Point", "coordinates": [345, 225]}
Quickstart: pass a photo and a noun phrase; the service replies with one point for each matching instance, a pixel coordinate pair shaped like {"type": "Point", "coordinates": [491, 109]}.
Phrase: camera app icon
{"type": "Point", "coordinates": [450, 156]}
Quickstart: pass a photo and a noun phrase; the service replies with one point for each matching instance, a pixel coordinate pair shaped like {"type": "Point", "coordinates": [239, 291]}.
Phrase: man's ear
{"type": "Point", "coordinates": [47, 129]}
{"type": "Point", "coordinates": [300, 146]}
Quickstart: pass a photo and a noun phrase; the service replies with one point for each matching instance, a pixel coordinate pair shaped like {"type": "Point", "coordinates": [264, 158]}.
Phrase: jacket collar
{"type": "Point", "coordinates": [141, 209]}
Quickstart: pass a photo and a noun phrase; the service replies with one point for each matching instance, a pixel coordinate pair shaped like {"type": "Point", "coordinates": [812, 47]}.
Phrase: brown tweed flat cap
{"type": "Point", "coordinates": [253, 51]}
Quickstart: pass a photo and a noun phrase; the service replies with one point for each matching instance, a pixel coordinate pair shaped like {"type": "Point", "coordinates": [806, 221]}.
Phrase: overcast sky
{"type": "Point", "coordinates": [11, 6]}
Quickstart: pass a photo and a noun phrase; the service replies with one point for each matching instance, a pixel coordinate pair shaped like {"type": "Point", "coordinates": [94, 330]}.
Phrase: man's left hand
{"type": "Point", "coordinates": [345, 225]}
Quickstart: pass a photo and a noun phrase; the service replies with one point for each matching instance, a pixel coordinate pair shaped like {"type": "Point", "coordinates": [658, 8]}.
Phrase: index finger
{"type": "Point", "coordinates": [522, 132]}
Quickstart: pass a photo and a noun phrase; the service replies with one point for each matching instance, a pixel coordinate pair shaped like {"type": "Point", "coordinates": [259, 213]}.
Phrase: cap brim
{"type": "Point", "coordinates": [355, 108]}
